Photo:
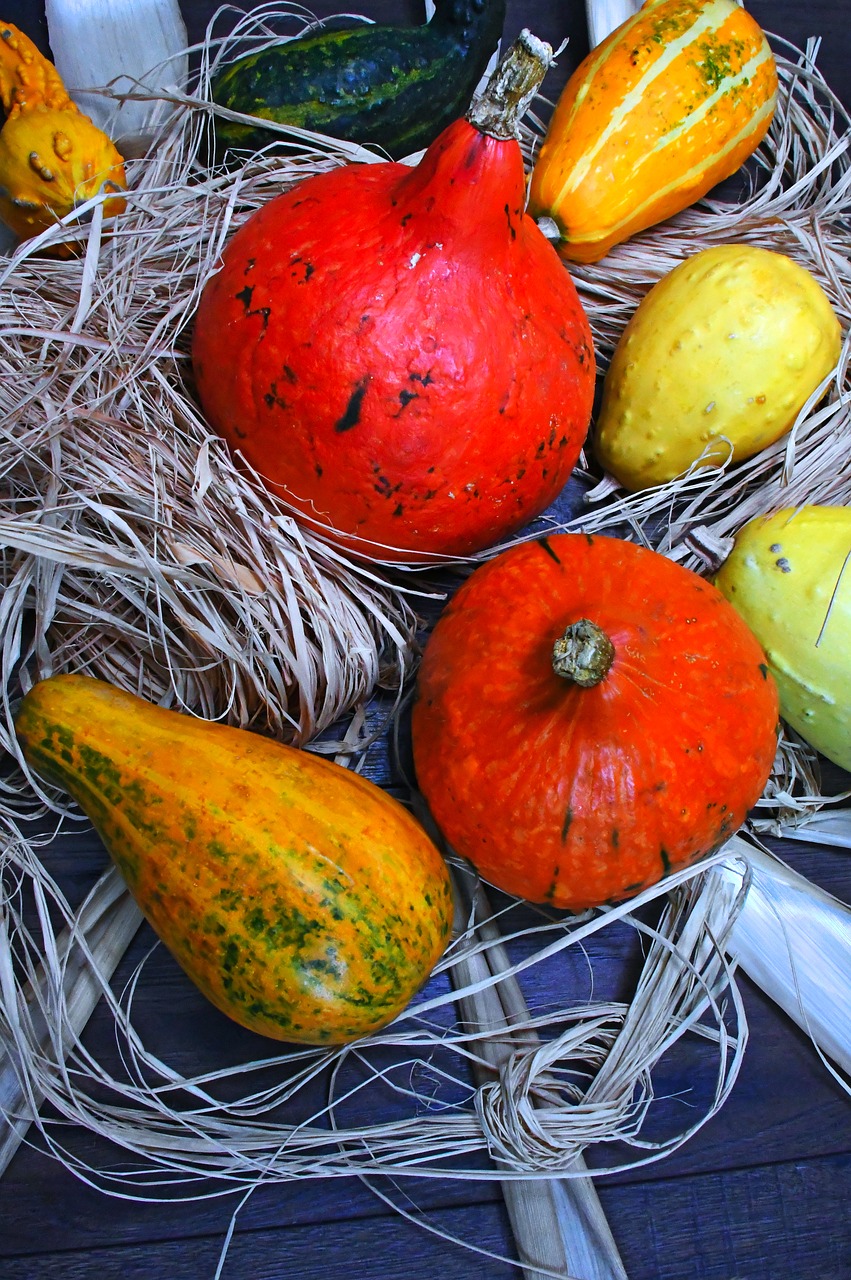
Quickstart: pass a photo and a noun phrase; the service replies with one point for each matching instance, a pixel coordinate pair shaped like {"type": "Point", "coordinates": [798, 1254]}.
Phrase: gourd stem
{"type": "Point", "coordinates": [509, 91]}
{"type": "Point", "coordinates": [583, 654]}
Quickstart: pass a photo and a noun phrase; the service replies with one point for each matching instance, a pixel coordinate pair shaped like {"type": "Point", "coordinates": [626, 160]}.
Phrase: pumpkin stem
{"type": "Point", "coordinates": [583, 654]}
{"type": "Point", "coordinates": [509, 91]}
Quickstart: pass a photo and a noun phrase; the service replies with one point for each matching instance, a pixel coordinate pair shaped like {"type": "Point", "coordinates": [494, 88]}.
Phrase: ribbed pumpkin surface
{"type": "Point", "coordinates": [670, 104]}
{"type": "Point", "coordinates": [301, 899]}
{"type": "Point", "coordinates": [578, 796]}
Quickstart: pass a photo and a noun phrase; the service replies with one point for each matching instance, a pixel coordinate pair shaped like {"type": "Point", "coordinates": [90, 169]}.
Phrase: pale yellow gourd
{"type": "Point", "coordinates": [789, 576]}
{"type": "Point", "coordinates": [718, 358]}
{"type": "Point", "coordinates": [53, 158]}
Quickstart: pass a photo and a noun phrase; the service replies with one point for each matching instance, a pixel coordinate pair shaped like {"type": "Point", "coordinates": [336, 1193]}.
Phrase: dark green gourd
{"type": "Point", "coordinates": [389, 86]}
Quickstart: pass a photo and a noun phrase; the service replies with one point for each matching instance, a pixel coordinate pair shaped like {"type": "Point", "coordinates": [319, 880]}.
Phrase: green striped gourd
{"type": "Point", "coordinates": [391, 86]}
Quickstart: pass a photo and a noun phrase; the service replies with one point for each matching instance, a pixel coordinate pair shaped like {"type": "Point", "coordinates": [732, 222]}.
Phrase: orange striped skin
{"type": "Point", "coordinates": [670, 104]}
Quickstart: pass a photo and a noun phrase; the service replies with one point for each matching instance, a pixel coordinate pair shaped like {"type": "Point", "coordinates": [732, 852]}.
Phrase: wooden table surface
{"type": "Point", "coordinates": [762, 1192]}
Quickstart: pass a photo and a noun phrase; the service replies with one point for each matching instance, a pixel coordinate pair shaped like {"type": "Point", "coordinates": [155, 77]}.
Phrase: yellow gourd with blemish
{"type": "Point", "coordinates": [719, 357]}
{"type": "Point", "coordinates": [53, 158]}
{"type": "Point", "coordinates": [789, 576]}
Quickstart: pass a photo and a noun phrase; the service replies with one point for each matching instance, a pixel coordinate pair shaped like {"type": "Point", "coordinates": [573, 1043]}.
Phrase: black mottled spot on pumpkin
{"type": "Point", "coordinates": [351, 417]}
{"type": "Point", "coordinates": [666, 862]}
{"type": "Point", "coordinates": [398, 509]}
{"type": "Point", "coordinates": [589, 539]}
{"type": "Point", "coordinates": [238, 431]}
{"type": "Point", "coordinates": [290, 374]}
{"type": "Point", "coordinates": [405, 397]}
{"type": "Point", "coordinates": [512, 229]}
{"type": "Point", "coordinates": [547, 546]}
{"type": "Point", "coordinates": [616, 837]}
{"type": "Point", "coordinates": [425, 379]}
{"type": "Point", "coordinates": [244, 296]}
{"type": "Point", "coordinates": [406, 219]}
{"type": "Point", "coordinates": [318, 469]}
{"type": "Point", "coordinates": [249, 266]}
{"type": "Point", "coordinates": [565, 826]}
{"type": "Point", "coordinates": [764, 669]}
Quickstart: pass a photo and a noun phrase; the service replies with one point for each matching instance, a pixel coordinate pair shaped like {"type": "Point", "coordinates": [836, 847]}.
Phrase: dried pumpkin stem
{"type": "Point", "coordinates": [583, 654]}
{"type": "Point", "coordinates": [508, 93]}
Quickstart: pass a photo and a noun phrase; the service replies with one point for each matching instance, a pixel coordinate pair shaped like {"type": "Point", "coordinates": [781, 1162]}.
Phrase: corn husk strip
{"type": "Point", "coordinates": [115, 47]}
{"type": "Point", "coordinates": [61, 1000]}
{"type": "Point", "coordinates": [833, 829]}
{"type": "Point", "coordinates": [559, 1227]}
{"type": "Point", "coordinates": [794, 941]}
{"type": "Point", "coordinates": [603, 16]}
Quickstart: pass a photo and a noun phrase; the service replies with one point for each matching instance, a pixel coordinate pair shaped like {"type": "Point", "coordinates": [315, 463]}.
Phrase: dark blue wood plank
{"type": "Point", "coordinates": [790, 1221]}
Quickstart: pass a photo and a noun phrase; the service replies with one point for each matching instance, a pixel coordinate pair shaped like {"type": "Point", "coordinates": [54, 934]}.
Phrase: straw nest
{"type": "Point", "coordinates": [134, 549]}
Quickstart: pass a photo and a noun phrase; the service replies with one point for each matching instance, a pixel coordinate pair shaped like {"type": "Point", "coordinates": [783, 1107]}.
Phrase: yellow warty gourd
{"type": "Point", "coordinates": [719, 357]}
{"type": "Point", "coordinates": [53, 158]}
{"type": "Point", "coordinates": [789, 576]}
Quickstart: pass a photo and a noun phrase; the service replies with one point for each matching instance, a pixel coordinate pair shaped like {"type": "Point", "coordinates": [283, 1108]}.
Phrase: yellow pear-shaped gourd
{"type": "Point", "coordinates": [789, 576]}
{"type": "Point", "coordinates": [53, 158]}
{"type": "Point", "coordinates": [719, 357]}
{"type": "Point", "coordinates": [300, 898]}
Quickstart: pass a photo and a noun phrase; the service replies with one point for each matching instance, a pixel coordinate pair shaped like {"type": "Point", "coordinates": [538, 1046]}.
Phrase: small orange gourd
{"type": "Point", "coordinates": [53, 158]}
{"type": "Point", "coordinates": [670, 104]}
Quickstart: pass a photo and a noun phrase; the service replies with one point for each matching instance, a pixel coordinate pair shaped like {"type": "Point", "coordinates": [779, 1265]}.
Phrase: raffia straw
{"type": "Point", "coordinates": [228, 1134]}
{"type": "Point", "coordinates": [133, 547]}
{"type": "Point", "coordinates": [833, 829]}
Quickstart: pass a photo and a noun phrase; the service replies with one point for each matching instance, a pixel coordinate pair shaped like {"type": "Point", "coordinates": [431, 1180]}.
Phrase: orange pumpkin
{"type": "Point", "coordinates": [590, 716]}
{"type": "Point", "coordinates": [670, 104]}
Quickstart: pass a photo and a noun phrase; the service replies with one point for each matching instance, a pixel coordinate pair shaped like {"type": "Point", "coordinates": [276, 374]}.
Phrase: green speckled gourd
{"type": "Point", "coordinates": [300, 898]}
{"type": "Point", "coordinates": [389, 86]}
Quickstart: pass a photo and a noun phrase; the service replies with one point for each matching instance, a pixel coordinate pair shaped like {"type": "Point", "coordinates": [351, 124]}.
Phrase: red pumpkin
{"type": "Point", "coordinates": [573, 795]}
{"type": "Point", "coordinates": [399, 351]}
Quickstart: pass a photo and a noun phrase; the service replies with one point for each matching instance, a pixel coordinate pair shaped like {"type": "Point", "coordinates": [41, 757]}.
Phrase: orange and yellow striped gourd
{"type": "Point", "coordinates": [670, 104]}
